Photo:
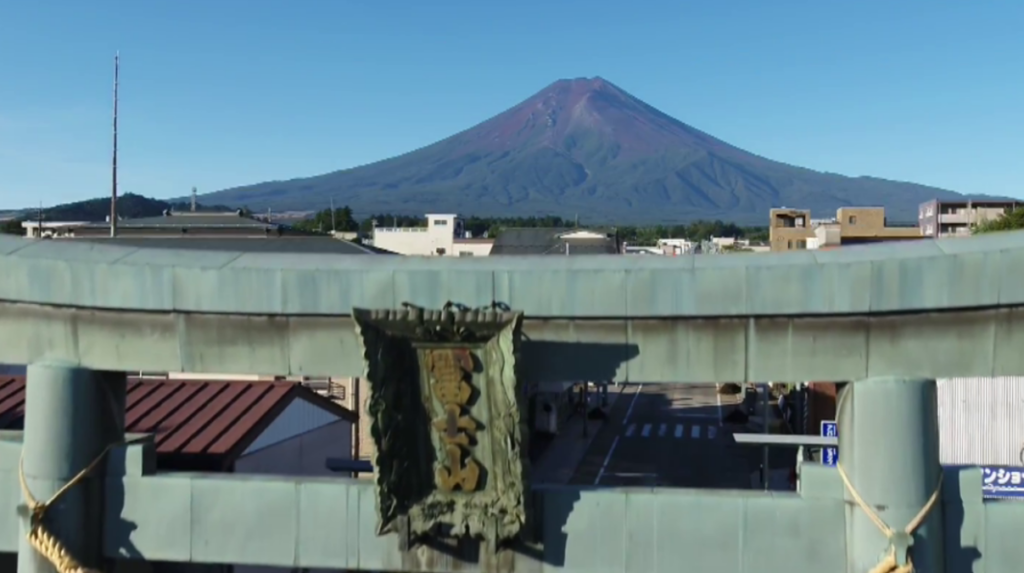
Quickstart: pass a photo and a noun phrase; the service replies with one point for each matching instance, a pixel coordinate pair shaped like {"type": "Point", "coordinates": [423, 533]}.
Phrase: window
{"type": "Point", "coordinates": [441, 222]}
{"type": "Point", "coordinates": [801, 244]}
{"type": "Point", "coordinates": [852, 219]}
{"type": "Point", "coordinates": [465, 253]}
{"type": "Point", "coordinates": [789, 244]}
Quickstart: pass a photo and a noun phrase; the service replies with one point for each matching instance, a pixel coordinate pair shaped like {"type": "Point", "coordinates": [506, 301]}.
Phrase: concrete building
{"type": "Point", "coordinates": [793, 229]}
{"type": "Point", "coordinates": [956, 218]}
{"type": "Point", "coordinates": [675, 247]}
{"type": "Point", "coordinates": [643, 250]}
{"type": "Point", "coordinates": [51, 229]}
{"type": "Point", "coordinates": [444, 236]}
{"type": "Point", "coordinates": [789, 229]}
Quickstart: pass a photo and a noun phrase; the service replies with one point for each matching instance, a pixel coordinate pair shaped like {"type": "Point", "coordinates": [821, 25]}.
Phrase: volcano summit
{"type": "Point", "coordinates": [584, 147]}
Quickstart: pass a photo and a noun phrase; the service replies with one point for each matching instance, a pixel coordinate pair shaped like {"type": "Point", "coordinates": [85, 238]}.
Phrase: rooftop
{"type": "Point", "coordinates": [554, 241]}
{"type": "Point", "coordinates": [286, 244]}
{"type": "Point", "coordinates": [214, 419]}
{"type": "Point", "coordinates": [189, 219]}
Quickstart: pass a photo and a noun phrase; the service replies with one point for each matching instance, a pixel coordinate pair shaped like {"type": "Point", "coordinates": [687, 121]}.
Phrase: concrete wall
{"type": "Point", "coordinates": [305, 456]}
{"type": "Point", "coordinates": [981, 421]}
{"type": "Point", "coordinates": [928, 218]}
{"type": "Point", "coordinates": [472, 247]}
{"type": "Point", "coordinates": [12, 370]}
{"type": "Point", "coordinates": [354, 396]}
{"type": "Point", "coordinates": [827, 235]}
{"type": "Point", "coordinates": [861, 217]}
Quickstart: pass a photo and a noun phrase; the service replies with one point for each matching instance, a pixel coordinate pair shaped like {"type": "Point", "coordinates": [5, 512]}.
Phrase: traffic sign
{"type": "Point", "coordinates": [829, 455]}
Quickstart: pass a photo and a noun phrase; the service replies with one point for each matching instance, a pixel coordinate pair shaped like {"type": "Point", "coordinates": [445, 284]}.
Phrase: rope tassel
{"type": "Point", "coordinates": [39, 537]}
{"type": "Point", "coordinates": [895, 561]}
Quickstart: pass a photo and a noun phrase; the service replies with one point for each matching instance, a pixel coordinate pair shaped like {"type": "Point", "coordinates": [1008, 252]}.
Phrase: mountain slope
{"type": "Point", "coordinates": [584, 147]}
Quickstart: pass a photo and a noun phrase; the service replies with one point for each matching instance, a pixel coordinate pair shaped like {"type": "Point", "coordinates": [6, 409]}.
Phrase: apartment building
{"type": "Point", "coordinates": [793, 229]}
{"type": "Point", "coordinates": [444, 236]}
{"type": "Point", "coordinates": [942, 219]}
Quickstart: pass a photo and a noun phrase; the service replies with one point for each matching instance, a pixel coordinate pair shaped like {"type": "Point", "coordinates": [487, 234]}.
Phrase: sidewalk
{"type": "Point", "coordinates": [562, 456]}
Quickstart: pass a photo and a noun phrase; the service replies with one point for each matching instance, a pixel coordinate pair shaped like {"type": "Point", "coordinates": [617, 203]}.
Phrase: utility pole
{"type": "Point", "coordinates": [334, 222]}
{"type": "Point", "coordinates": [113, 190]}
{"type": "Point", "coordinates": [193, 199]}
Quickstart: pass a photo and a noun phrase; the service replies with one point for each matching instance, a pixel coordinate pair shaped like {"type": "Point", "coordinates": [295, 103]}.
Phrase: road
{"type": "Point", "coordinates": [668, 435]}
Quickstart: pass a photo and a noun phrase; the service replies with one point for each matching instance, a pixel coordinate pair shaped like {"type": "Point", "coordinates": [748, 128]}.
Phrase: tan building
{"type": "Point", "coordinates": [792, 229]}
{"type": "Point", "coordinates": [789, 229]}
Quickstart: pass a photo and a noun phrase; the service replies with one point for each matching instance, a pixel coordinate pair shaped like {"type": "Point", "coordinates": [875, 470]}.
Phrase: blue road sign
{"type": "Point", "coordinates": [1002, 482]}
{"type": "Point", "coordinates": [830, 455]}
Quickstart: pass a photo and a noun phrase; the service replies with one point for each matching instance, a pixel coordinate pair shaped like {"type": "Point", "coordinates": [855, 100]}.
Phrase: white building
{"type": "Point", "coordinates": [444, 236]}
{"type": "Point", "coordinates": [50, 228]}
{"type": "Point", "coordinates": [674, 247]}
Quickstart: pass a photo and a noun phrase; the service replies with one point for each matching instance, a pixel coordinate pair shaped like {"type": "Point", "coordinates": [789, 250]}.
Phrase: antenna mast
{"type": "Point", "coordinates": [113, 190]}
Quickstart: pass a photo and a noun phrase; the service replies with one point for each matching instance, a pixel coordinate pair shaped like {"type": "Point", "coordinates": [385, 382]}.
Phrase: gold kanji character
{"type": "Point", "coordinates": [456, 473]}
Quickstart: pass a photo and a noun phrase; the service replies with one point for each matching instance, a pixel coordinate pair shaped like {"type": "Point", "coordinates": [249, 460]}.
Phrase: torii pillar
{"type": "Point", "coordinates": [71, 416]}
{"type": "Point", "coordinates": [889, 448]}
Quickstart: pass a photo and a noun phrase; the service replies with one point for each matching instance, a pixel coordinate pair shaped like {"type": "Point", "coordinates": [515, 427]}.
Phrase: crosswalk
{"type": "Point", "coordinates": [672, 431]}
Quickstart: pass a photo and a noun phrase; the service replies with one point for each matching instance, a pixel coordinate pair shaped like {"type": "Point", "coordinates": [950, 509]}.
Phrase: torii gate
{"type": "Point", "coordinates": [890, 318]}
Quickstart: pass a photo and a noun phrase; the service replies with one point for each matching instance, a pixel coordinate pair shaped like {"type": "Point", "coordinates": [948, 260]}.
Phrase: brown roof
{"type": "Point", "coordinates": [191, 419]}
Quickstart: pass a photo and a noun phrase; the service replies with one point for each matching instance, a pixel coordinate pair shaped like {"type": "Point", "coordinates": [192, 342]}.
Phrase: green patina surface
{"type": "Point", "coordinates": [900, 277]}
{"type": "Point", "coordinates": [727, 326]}
{"type": "Point", "coordinates": [406, 391]}
{"type": "Point", "coordinates": [332, 524]}
{"type": "Point", "coordinates": [791, 317]}
{"type": "Point", "coordinates": [983, 342]}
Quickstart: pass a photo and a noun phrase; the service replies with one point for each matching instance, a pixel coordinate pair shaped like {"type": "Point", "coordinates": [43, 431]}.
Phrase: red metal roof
{"type": "Point", "coordinates": [190, 417]}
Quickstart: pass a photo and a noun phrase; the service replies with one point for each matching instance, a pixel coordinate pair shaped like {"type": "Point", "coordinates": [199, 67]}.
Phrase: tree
{"type": "Point", "coordinates": [324, 222]}
{"type": "Point", "coordinates": [11, 227]}
{"type": "Point", "coordinates": [1011, 221]}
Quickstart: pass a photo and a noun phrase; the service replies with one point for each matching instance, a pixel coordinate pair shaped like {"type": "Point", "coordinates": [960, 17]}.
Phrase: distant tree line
{"type": "Point", "coordinates": [342, 219]}
{"type": "Point", "coordinates": [695, 231]}
{"type": "Point", "coordinates": [1012, 221]}
{"type": "Point", "coordinates": [129, 206]}
{"type": "Point", "coordinates": [11, 227]}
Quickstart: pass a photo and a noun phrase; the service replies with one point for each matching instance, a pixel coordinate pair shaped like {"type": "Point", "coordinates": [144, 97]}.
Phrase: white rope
{"type": "Point", "coordinates": [889, 563]}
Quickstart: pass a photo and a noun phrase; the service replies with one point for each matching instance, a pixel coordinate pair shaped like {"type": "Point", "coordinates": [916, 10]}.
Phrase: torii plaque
{"type": "Point", "coordinates": [446, 411]}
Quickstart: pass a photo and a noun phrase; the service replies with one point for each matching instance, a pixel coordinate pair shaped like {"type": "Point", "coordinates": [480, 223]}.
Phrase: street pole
{"type": "Point", "coordinates": [585, 408]}
{"type": "Point", "coordinates": [765, 416]}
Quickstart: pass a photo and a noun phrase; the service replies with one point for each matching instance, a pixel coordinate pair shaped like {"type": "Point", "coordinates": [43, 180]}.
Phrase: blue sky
{"type": "Point", "coordinates": [220, 93]}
